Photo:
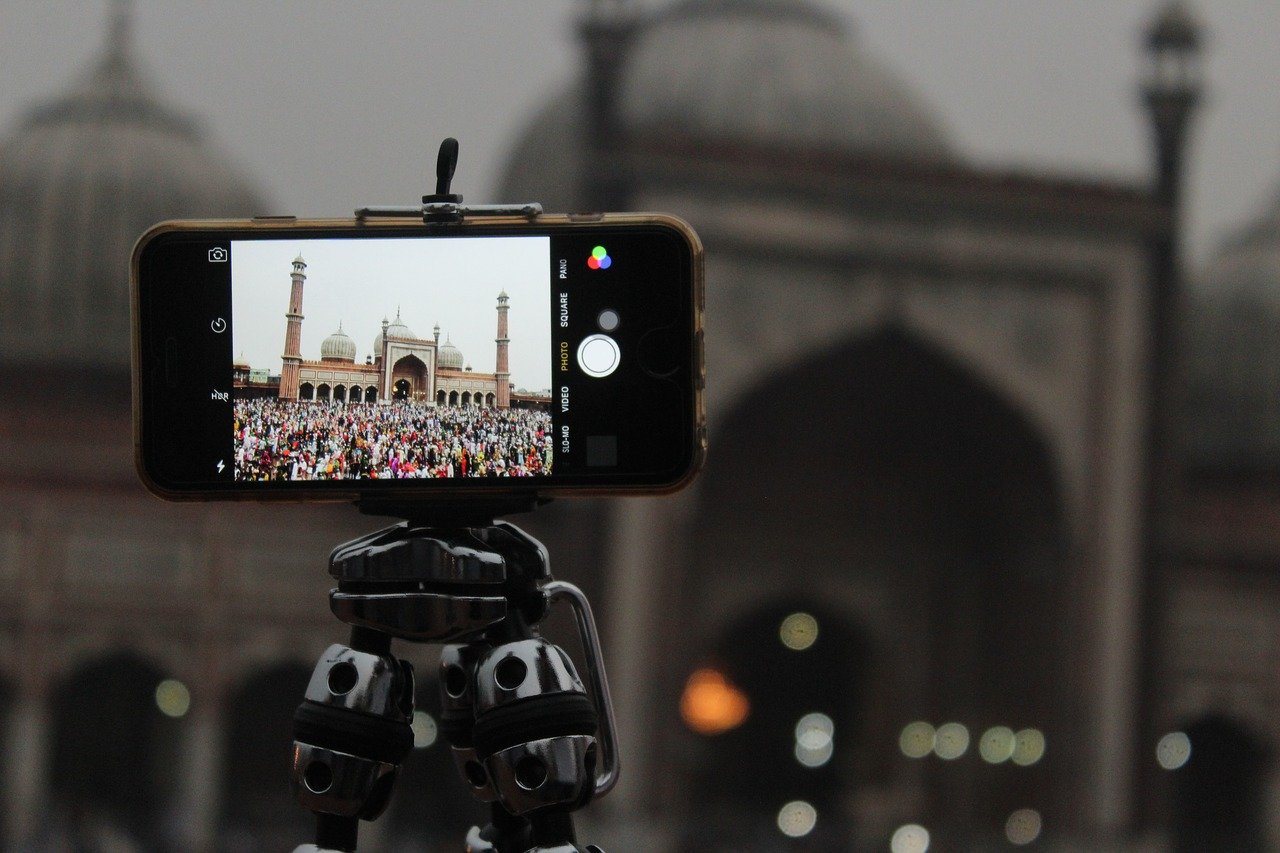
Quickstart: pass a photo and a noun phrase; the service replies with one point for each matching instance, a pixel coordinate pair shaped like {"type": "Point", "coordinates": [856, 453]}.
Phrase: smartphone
{"type": "Point", "coordinates": [339, 359]}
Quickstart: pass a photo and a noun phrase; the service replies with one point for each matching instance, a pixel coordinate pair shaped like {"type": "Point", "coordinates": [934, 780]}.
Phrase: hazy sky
{"type": "Point", "coordinates": [450, 281]}
{"type": "Point", "coordinates": [330, 105]}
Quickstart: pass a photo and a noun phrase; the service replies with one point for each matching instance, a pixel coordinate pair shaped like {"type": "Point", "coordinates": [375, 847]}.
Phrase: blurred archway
{"type": "Point", "coordinates": [114, 754]}
{"type": "Point", "coordinates": [259, 812]}
{"type": "Point", "coordinates": [890, 483]}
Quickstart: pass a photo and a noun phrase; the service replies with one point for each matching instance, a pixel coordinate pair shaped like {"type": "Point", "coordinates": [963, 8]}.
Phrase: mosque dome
{"type": "Point", "coordinates": [450, 356]}
{"type": "Point", "coordinates": [781, 73]}
{"type": "Point", "coordinates": [395, 329]}
{"type": "Point", "coordinates": [1233, 351]}
{"type": "Point", "coordinates": [82, 176]}
{"type": "Point", "coordinates": [338, 347]}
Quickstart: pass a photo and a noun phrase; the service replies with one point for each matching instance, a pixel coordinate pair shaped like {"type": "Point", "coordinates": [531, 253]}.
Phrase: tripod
{"type": "Point", "coordinates": [525, 733]}
{"type": "Point", "coordinates": [527, 736]}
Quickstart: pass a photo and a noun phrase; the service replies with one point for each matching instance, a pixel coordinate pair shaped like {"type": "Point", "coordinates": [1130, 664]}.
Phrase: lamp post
{"type": "Point", "coordinates": [1171, 90]}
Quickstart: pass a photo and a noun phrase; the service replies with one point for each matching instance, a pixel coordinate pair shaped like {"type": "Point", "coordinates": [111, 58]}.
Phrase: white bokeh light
{"type": "Point", "coordinates": [1173, 750]}
{"type": "Point", "coordinates": [798, 632]}
{"type": "Point", "coordinates": [1028, 747]}
{"type": "Point", "coordinates": [997, 744]}
{"type": "Point", "coordinates": [173, 698]}
{"type": "Point", "coordinates": [815, 731]}
{"type": "Point", "coordinates": [912, 838]}
{"type": "Point", "coordinates": [817, 757]}
{"type": "Point", "coordinates": [797, 819]}
{"type": "Point", "coordinates": [425, 730]}
{"type": "Point", "coordinates": [917, 739]}
{"type": "Point", "coordinates": [1023, 826]}
{"type": "Point", "coordinates": [952, 741]}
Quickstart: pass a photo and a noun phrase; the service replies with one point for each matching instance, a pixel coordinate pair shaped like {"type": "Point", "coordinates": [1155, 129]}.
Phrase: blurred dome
{"type": "Point", "coordinates": [80, 180]}
{"type": "Point", "coordinates": [781, 73]}
{"type": "Point", "coordinates": [338, 347]}
{"type": "Point", "coordinates": [1233, 351]}
{"type": "Point", "coordinates": [450, 356]}
{"type": "Point", "coordinates": [776, 72]}
{"type": "Point", "coordinates": [395, 329]}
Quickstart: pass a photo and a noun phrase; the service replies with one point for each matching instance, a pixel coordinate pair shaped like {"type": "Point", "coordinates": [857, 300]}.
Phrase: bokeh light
{"type": "Point", "coordinates": [711, 704]}
{"type": "Point", "coordinates": [815, 757]}
{"type": "Point", "coordinates": [799, 631]}
{"type": "Point", "coordinates": [997, 744]}
{"type": "Point", "coordinates": [425, 730]}
{"type": "Point", "coordinates": [912, 838]}
{"type": "Point", "coordinates": [917, 739]}
{"type": "Point", "coordinates": [1028, 747]}
{"type": "Point", "coordinates": [797, 819]}
{"type": "Point", "coordinates": [814, 731]}
{"type": "Point", "coordinates": [1173, 750]}
{"type": "Point", "coordinates": [1023, 826]}
{"type": "Point", "coordinates": [951, 741]}
{"type": "Point", "coordinates": [173, 698]}
{"type": "Point", "coordinates": [815, 739]}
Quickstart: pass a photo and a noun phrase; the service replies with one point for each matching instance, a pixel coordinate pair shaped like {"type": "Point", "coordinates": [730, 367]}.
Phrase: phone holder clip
{"type": "Point", "coordinates": [443, 207]}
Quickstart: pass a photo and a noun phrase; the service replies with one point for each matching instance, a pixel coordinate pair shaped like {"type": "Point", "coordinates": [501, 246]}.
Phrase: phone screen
{"type": "Point", "coordinates": [342, 359]}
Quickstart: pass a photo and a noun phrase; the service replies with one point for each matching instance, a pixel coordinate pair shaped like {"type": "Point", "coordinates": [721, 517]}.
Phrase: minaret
{"type": "Point", "coordinates": [121, 27]}
{"type": "Point", "coordinates": [607, 33]}
{"type": "Point", "coordinates": [293, 333]}
{"type": "Point", "coordinates": [436, 334]}
{"type": "Point", "coordinates": [1172, 88]}
{"type": "Point", "coordinates": [503, 371]}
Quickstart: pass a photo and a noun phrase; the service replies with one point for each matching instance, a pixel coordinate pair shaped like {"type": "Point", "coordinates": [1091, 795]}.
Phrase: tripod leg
{"type": "Point", "coordinates": [351, 734]}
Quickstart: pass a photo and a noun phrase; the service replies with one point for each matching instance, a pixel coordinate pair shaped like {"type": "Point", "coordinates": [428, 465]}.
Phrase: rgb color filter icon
{"type": "Point", "coordinates": [599, 259]}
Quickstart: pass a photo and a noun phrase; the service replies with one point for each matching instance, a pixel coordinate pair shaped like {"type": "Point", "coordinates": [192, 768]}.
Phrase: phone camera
{"type": "Point", "coordinates": [608, 320]}
{"type": "Point", "coordinates": [217, 255]}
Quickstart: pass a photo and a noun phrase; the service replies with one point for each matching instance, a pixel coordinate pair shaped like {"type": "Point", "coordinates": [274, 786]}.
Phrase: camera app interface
{"type": "Point", "coordinates": [384, 359]}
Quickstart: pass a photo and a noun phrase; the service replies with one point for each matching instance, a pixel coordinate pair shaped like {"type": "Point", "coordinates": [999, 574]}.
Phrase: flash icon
{"type": "Point", "coordinates": [221, 465]}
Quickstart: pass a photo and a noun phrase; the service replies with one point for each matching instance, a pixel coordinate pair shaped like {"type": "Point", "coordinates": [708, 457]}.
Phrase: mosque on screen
{"type": "Point", "coordinates": [402, 366]}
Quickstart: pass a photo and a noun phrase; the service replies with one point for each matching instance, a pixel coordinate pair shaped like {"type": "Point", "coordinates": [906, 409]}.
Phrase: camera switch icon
{"type": "Point", "coordinates": [217, 255]}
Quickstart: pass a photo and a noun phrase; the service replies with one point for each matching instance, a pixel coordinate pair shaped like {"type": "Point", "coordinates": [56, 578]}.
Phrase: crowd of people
{"type": "Point", "coordinates": [304, 440]}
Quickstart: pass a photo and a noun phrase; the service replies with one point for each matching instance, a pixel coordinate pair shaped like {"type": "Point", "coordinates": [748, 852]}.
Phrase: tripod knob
{"type": "Point", "coordinates": [351, 732]}
{"type": "Point", "coordinates": [534, 727]}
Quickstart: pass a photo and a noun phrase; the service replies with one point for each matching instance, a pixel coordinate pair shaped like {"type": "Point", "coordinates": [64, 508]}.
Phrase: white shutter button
{"type": "Point", "coordinates": [598, 355]}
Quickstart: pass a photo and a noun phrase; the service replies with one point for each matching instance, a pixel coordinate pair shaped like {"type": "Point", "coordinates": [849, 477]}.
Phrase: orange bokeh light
{"type": "Point", "coordinates": [711, 704]}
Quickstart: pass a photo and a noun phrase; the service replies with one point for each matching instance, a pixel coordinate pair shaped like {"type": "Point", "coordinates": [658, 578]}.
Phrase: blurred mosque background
{"type": "Point", "coordinates": [985, 555]}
